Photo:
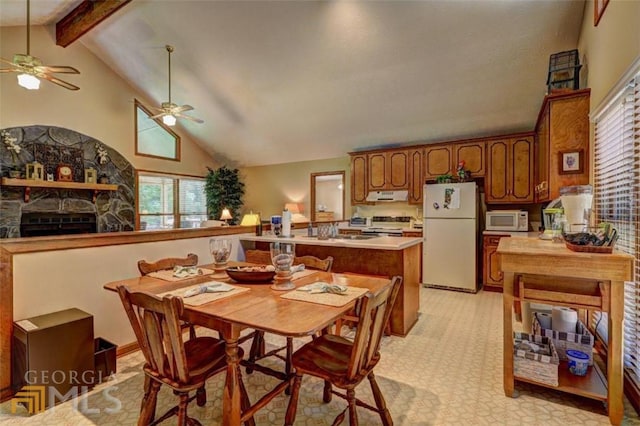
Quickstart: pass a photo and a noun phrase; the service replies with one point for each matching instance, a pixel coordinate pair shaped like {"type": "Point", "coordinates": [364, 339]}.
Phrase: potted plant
{"type": "Point", "coordinates": [224, 189]}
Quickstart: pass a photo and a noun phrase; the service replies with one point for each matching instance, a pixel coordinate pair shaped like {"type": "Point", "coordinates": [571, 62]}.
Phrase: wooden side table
{"type": "Point", "coordinates": [546, 272]}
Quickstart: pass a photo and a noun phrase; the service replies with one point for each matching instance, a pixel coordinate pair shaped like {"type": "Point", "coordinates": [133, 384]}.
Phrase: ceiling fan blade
{"type": "Point", "coordinates": [162, 114]}
{"type": "Point", "coordinates": [183, 108]}
{"type": "Point", "coordinates": [57, 69]}
{"type": "Point", "coordinates": [8, 70]}
{"type": "Point", "coordinates": [8, 61]}
{"type": "Point", "coordinates": [59, 82]}
{"type": "Point", "coordinates": [197, 120]}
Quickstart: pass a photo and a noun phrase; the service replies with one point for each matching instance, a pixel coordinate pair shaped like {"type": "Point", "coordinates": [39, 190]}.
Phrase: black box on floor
{"type": "Point", "coordinates": [105, 359]}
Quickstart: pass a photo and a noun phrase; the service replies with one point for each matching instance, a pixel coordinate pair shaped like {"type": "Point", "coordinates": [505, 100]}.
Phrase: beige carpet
{"type": "Point", "coordinates": [448, 371]}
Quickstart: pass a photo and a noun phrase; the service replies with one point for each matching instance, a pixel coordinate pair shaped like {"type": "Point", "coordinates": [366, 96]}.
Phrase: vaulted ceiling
{"type": "Point", "coordinates": [290, 81]}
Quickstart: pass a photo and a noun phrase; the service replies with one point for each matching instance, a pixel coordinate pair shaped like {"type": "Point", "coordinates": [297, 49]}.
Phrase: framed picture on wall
{"type": "Point", "coordinates": [598, 10]}
{"type": "Point", "coordinates": [571, 162]}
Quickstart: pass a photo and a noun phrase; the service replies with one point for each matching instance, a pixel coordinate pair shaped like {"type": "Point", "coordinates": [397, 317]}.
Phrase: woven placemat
{"type": "Point", "coordinates": [167, 274]}
{"type": "Point", "coordinates": [203, 298]}
{"type": "Point", "coordinates": [329, 299]}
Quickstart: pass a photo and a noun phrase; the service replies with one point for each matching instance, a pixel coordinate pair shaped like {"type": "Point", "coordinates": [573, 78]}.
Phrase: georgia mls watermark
{"type": "Point", "coordinates": [34, 396]}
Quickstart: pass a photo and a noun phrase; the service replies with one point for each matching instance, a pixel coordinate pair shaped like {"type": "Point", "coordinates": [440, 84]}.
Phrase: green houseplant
{"type": "Point", "coordinates": [224, 189]}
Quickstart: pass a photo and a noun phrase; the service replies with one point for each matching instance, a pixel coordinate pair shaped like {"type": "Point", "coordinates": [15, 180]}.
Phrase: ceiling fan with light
{"type": "Point", "coordinates": [30, 68]}
{"type": "Point", "coordinates": [170, 111]}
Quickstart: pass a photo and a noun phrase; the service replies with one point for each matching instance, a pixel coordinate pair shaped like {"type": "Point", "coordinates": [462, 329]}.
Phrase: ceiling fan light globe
{"type": "Point", "coordinates": [28, 81]}
{"type": "Point", "coordinates": [169, 120]}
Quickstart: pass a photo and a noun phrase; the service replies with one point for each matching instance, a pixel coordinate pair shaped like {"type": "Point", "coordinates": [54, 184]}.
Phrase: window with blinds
{"type": "Point", "coordinates": [616, 200]}
{"type": "Point", "coordinates": [166, 202]}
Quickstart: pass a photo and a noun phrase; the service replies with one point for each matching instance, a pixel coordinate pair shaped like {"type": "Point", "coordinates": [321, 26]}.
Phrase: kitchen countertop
{"type": "Point", "coordinates": [362, 228]}
{"type": "Point", "coordinates": [376, 243]}
{"type": "Point", "coordinates": [530, 234]}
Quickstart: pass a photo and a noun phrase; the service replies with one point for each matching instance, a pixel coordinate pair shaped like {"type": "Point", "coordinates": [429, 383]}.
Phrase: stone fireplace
{"type": "Point", "coordinates": [58, 211]}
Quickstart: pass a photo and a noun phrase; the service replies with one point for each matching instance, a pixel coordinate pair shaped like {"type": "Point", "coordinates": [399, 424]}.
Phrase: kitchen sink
{"type": "Point", "coordinates": [356, 237]}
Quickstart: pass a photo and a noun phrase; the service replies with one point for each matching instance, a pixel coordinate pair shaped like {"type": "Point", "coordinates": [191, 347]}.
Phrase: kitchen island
{"type": "Point", "coordinates": [382, 256]}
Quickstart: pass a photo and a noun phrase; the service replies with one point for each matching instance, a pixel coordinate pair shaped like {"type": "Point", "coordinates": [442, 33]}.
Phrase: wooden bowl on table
{"type": "Point", "coordinates": [250, 274]}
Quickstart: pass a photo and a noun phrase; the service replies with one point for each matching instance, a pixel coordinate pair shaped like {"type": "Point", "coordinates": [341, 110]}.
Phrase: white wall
{"type": "Point", "coordinates": [55, 280]}
{"type": "Point", "coordinates": [269, 188]}
{"type": "Point", "coordinates": [102, 109]}
{"type": "Point", "coordinates": [610, 48]}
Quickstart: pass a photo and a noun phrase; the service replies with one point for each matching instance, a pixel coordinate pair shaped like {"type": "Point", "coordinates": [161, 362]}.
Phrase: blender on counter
{"type": "Point", "coordinates": [576, 202]}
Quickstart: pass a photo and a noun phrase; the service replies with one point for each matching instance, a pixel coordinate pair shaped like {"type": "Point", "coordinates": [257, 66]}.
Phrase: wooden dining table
{"type": "Point", "coordinates": [260, 308]}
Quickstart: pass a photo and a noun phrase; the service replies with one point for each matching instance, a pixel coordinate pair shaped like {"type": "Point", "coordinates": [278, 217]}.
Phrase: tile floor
{"type": "Point", "coordinates": [448, 371]}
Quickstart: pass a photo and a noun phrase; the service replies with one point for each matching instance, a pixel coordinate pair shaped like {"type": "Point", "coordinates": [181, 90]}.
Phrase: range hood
{"type": "Point", "coordinates": [388, 196]}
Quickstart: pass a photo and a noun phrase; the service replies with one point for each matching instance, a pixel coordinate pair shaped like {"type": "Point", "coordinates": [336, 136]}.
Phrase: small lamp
{"type": "Point", "coordinates": [250, 219]}
{"type": "Point", "coordinates": [225, 215]}
{"type": "Point", "coordinates": [296, 210]}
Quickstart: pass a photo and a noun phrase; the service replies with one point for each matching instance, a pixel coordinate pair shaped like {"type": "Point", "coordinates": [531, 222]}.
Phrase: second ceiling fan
{"type": "Point", "coordinates": [170, 111]}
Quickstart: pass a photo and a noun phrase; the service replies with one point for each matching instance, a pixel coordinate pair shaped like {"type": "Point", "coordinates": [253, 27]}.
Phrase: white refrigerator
{"type": "Point", "coordinates": [450, 236]}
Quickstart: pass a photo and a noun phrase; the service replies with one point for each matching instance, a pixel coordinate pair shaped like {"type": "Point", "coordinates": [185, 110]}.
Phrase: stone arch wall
{"type": "Point", "coordinates": [115, 210]}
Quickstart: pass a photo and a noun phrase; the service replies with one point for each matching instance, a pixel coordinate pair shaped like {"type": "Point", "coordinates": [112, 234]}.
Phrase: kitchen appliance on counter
{"type": "Point", "coordinates": [552, 211]}
{"type": "Point", "coordinates": [387, 226]}
{"type": "Point", "coordinates": [450, 236]}
{"type": "Point", "coordinates": [360, 221]}
{"type": "Point", "coordinates": [507, 220]}
{"type": "Point", "coordinates": [576, 201]}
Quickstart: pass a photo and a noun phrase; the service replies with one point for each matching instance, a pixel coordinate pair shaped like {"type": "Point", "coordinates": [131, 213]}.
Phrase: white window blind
{"type": "Point", "coordinates": [616, 200]}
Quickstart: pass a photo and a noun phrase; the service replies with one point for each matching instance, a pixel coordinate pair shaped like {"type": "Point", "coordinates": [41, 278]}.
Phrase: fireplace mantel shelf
{"type": "Point", "coordinates": [27, 184]}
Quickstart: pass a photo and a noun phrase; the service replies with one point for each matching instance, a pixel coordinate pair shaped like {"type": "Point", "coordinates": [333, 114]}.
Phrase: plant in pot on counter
{"type": "Point", "coordinates": [224, 189]}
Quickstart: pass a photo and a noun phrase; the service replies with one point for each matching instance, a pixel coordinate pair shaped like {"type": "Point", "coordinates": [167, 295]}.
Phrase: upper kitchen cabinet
{"type": "Point", "coordinates": [359, 178]}
{"type": "Point", "coordinates": [388, 170]}
{"type": "Point", "coordinates": [562, 127]}
{"type": "Point", "coordinates": [437, 161]}
{"type": "Point", "coordinates": [510, 172]}
{"type": "Point", "coordinates": [443, 159]}
{"type": "Point", "coordinates": [416, 179]}
{"type": "Point", "coordinates": [473, 154]}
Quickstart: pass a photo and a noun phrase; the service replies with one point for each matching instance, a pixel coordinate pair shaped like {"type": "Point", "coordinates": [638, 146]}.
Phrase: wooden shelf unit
{"type": "Point", "coordinates": [593, 385]}
{"type": "Point", "coordinates": [27, 184]}
{"type": "Point", "coordinates": [543, 272]}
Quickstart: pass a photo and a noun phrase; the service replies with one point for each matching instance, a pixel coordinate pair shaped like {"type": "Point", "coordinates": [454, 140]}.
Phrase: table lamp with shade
{"type": "Point", "coordinates": [226, 215]}
{"type": "Point", "coordinates": [296, 210]}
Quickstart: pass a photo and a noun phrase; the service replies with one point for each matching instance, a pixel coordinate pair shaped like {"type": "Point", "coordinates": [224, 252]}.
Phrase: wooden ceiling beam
{"type": "Point", "coordinates": [80, 20]}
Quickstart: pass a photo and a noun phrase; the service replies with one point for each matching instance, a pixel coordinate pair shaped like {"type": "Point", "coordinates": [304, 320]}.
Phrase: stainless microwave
{"type": "Point", "coordinates": [507, 220]}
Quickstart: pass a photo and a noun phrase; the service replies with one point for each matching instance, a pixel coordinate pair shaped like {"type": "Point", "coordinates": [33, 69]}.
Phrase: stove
{"type": "Point", "coordinates": [387, 225]}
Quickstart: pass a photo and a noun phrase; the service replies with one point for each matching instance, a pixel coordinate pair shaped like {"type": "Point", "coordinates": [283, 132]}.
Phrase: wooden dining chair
{"type": "Point", "coordinates": [343, 363]}
{"type": "Point", "coordinates": [183, 366]}
{"type": "Point", "coordinates": [256, 352]}
{"type": "Point", "coordinates": [147, 268]}
{"type": "Point", "coordinates": [261, 257]}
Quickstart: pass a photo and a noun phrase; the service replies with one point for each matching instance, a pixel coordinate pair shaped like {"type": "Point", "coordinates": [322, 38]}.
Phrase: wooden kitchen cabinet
{"type": "Point", "coordinates": [416, 175]}
{"type": "Point", "coordinates": [437, 161]}
{"type": "Point", "coordinates": [413, 234]}
{"type": "Point", "coordinates": [443, 159]}
{"type": "Point", "coordinates": [510, 173]}
{"type": "Point", "coordinates": [359, 179]}
{"type": "Point", "coordinates": [563, 126]}
{"type": "Point", "coordinates": [388, 170]}
{"type": "Point", "coordinates": [474, 156]}
{"type": "Point", "coordinates": [491, 273]}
